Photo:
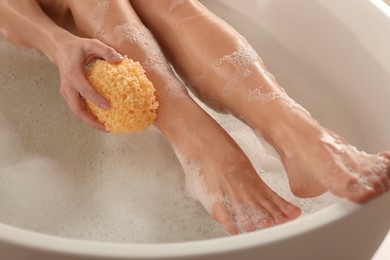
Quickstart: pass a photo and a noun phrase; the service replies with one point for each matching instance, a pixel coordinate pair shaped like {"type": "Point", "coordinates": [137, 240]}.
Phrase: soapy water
{"type": "Point", "coordinates": [195, 187]}
{"type": "Point", "coordinates": [142, 37]}
{"type": "Point", "coordinates": [155, 59]}
{"type": "Point", "coordinates": [59, 176]}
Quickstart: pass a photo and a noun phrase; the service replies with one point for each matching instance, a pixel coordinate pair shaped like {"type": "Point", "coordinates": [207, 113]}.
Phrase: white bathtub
{"type": "Point", "coordinates": [345, 43]}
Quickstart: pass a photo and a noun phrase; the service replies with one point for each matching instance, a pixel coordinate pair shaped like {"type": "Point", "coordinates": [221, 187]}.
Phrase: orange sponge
{"type": "Point", "coordinates": [133, 105]}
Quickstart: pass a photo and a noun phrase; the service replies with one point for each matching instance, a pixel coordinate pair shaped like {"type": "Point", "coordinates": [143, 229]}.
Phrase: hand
{"type": "Point", "coordinates": [72, 57]}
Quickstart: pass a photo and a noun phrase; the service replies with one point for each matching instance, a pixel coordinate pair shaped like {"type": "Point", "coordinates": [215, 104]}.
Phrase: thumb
{"type": "Point", "coordinates": [107, 53]}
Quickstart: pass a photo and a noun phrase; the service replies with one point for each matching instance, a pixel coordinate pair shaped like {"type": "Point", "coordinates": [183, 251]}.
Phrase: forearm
{"type": "Point", "coordinates": [31, 25]}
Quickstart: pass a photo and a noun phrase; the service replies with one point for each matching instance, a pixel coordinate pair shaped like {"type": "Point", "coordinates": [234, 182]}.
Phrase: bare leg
{"type": "Point", "coordinates": [220, 65]}
{"type": "Point", "coordinates": [238, 201]}
{"type": "Point", "coordinates": [6, 32]}
{"type": "Point", "coordinates": [56, 10]}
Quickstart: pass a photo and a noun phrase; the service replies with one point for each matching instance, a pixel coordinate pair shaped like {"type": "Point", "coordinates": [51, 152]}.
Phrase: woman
{"type": "Point", "coordinates": [223, 68]}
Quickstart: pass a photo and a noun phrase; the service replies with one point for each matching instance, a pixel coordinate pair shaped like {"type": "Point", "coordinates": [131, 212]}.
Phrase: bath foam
{"type": "Point", "coordinates": [263, 98]}
{"type": "Point", "coordinates": [133, 105]}
{"type": "Point", "coordinates": [335, 144]}
{"type": "Point", "coordinates": [240, 59]}
{"type": "Point", "coordinates": [175, 4]}
{"type": "Point", "coordinates": [99, 15]}
{"type": "Point", "coordinates": [155, 59]}
{"type": "Point", "coordinates": [195, 186]}
{"type": "Point", "coordinates": [256, 95]}
{"type": "Point", "coordinates": [142, 37]}
{"type": "Point", "coordinates": [67, 179]}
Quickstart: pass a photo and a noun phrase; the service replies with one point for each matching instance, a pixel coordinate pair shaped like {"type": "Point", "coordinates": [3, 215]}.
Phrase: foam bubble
{"type": "Point", "coordinates": [196, 187]}
{"type": "Point", "coordinates": [99, 16]}
{"type": "Point", "coordinates": [333, 143]}
{"type": "Point", "coordinates": [256, 95]}
{"type": "Point", "coordinates": [154, 58]}
{"type": "Point", "coordinates": [175, 4]}
{"type": "Point", "coordinates": [142, 37]}
{"type": "Point", "coordinates": [241, 59]}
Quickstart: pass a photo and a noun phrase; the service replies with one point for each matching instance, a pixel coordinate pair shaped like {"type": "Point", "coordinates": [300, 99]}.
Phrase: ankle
{"type": "Point", "coordinates": [284, 127]}
{"type": "Point", "coordinates": [181, 120]}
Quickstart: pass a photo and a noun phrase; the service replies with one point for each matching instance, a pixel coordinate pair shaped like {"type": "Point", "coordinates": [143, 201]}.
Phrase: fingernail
{"type": "Point", "coordinates": [117, 56]}
{"type": "Point", "coordinates": [104, 106]}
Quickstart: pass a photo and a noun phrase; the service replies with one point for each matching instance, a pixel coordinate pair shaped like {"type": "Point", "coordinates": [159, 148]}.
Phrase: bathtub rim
{"type": "Point", "coordinates": [62, 245]}
{"type": "Point", "coordinates": [382, 6]}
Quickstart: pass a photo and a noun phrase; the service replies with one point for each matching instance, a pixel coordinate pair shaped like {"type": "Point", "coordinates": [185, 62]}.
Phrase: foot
{"type": "Point", "coordinates": [317, 160]}
{"type": "Point", "coordinates": [221, 177]}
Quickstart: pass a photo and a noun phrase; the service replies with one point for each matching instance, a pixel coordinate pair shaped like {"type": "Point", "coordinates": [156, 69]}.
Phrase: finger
{"type": "Point", "coordinates": [79, 109]}
{"type": "Point", "coordinates": [107, 53]}
{"type": "Point", "coordinates": [87, 92]}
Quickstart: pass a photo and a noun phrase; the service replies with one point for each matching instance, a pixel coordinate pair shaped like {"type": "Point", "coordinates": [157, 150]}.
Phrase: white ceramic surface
{"type": "Point", "coordinates": [345, 44]}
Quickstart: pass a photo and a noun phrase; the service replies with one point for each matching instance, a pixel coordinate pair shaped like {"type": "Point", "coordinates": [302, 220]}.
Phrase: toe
{"type": "Point", "coordinates": [245, 217]}
{"type": "Point", "coordinates": [376, 182]}
{"type": "Point", "coordinates": [225, 217]}
{"type": "Point", "coordinates": [246, 223]}
{"type": "Point", "coordinates": [277, 215]}
{"type": "Point", "coordinates": [360, 191]}
{"type": "Point", "coordinates": [386, 181]}
{"type": "Point", "coordinates": [262, 218]}
{"type": "Point", "coordinates": [385, 154]}
{"type": "Point", "coordinates": [291, 211]}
